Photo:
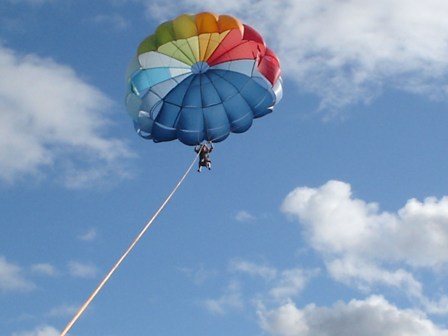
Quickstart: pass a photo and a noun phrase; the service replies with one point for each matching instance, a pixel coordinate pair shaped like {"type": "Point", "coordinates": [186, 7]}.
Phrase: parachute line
{"type": "Point", "coordinates": [129, 249]}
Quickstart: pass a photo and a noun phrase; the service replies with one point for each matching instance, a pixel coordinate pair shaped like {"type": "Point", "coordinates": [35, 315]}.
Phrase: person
{"type": "Point", "coordinates": [204, 151]}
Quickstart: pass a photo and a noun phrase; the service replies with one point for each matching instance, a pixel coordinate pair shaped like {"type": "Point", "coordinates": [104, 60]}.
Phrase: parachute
{"type": "Point", "coordinates": [199, 78]}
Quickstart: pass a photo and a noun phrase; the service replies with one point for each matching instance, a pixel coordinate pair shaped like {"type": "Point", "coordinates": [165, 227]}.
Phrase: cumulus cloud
{"type": "Point", "coordinates": [370, 317]}
{"type": "Point", "coordinates": [52, 120]}
{"type": "Point", "coordinates": [346, 51]}
{"type": "Point", "coordinates": [12, 277]}
{"type": "Point", "coordinates": [367, 246]}
{"type": "Point", "coordinates": [338, 223]}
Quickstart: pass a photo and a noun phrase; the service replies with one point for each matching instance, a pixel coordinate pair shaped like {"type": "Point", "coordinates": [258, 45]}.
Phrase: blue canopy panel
{"type": "Point", "coordinates": [200, 106]}
{"type": "Point", "coordinates": [256, 91]}
{"type": "Point", "coordinates": [249, 68]}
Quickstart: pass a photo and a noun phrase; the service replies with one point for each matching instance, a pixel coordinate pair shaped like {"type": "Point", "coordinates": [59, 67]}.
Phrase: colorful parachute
{"type": "Point", "coordinates": [201, 77]}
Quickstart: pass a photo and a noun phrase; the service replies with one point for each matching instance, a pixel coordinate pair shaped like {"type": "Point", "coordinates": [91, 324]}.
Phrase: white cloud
{"type": "Point", "coordinates": [363, 245]}
{"type": "Point", "coordinates": [39, 331]}
{"type": "Point", "coordinates": [291, 282]}
{"type": "Point", "coordinates": [244, 216]}
{"type": "Point", "coordinates": [229, 301]}
{"type": "Point", "coordinates": [283, 285]}
{"type": "Point", "coordinates": [63, 311]}
{"type": "Point", "coordinates": [364, 275]}
{"type": "Point", "coordinates": [12, 278]}
{"type": "Point", "coordinates": [55, 120]}
{"type": "Point", "coordinates": [253, 269]}
{"type": "Point", "coordinates": [117, 22]}
{"type": "Point", "coordinates": [44, 269]}
{"type": "Point", "coordinates": [346, 51]}
{"type": "Point", "coordinates": [198, 275]}
{"type": "Point", "coordinates": [89, 235]}
{"type": "Point", "coordinates": [82, 270]}
{"type": "Point", "coordinates": [286, 320]}
{"type": "Point", "coordinates": [371, 317]}
{"type": "Point", "coordinates": [338, 223]}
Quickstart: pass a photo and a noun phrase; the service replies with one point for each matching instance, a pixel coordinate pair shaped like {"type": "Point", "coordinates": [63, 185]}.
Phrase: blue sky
{"type": "Point", "coordinates": [328, 217]}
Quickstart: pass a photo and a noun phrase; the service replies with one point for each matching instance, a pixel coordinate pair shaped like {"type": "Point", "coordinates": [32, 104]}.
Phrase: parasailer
{"type": "Point", "coordinates": [204, 151]}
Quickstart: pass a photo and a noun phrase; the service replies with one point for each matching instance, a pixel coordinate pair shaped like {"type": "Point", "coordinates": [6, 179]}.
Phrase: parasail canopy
{"type": "Point", "coordinates": [199, 78]}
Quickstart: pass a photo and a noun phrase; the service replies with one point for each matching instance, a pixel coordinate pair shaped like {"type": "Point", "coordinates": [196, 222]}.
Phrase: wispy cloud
{"type": "Point", "coordinates": [62, 311]}
{"type": "Point", "coordinates": [116, 21]}
{"type": "Point", "coordinates": [44, 269]}
{"type": "Point", "coordinates": [244, 216]}
{"type": "Point", "coordinates": [12, 277]}
{"type": "Point", "coordinates": [275, 286]}
{"type": "Point", "coordinates": [82, 270]}
{"type": "Point", "coordinates": [290, 283]}
{"type": "Point", "coordinates": [229, 301]}
{"type": "Point", "coordinates": [253, 269]}
{"type": "Point", "coordinates": [54, 120]}
{"type": "Point", "coordinates": [44, 330]}
{"type": "Point", "coordinates": [89, 235]}
{"type": "Point", "coordinates": [199, 275]}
